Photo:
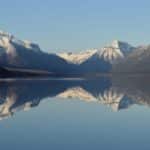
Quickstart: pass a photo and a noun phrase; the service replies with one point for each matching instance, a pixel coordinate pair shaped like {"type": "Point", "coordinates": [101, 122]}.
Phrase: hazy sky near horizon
{"type": "Point", "coordinates": [58, 25]}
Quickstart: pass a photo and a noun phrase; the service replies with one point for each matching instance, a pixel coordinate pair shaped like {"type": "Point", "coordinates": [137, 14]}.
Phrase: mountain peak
{"type": "Point", "coordinates": [110, 53]}
{"type": "Point", "coordinates": [123, 46]}
{"type": "Point", "coordinates": [115, 51]}
{"type": "Point", "coordinates": [8, 41]}
{"type": "Point", "coordinates": [115, 43]}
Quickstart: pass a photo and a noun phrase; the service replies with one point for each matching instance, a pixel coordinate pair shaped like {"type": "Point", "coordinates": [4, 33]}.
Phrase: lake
{"type": "Point", "coordinates": [75, 114]}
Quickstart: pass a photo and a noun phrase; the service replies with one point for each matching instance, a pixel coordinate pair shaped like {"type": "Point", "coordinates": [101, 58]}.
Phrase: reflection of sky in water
{"type": "Point", "coordinates": [60, 123]}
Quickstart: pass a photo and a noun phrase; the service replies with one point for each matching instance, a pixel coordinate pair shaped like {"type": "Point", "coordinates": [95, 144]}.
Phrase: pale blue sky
{"type": "Point", "coordinates": [58, 25]}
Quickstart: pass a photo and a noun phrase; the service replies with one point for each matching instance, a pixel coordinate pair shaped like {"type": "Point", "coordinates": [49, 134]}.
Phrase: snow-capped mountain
{"type": "Point", "coordinates": [7, 41]}
{"type": "Point", "coordinates": [115, 51]}
{"type": "Point", "coordinates": [77, 58]}
{"type": "Point", "coordinates": [8, 45]}
{"type": "Point", "coordinates": [27, 55]}
{"type": "Point", "coordinates": [98, 60]}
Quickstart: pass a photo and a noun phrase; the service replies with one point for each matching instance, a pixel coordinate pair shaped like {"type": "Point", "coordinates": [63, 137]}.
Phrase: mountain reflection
{"type": "Point", "coordinates": [116, 92]}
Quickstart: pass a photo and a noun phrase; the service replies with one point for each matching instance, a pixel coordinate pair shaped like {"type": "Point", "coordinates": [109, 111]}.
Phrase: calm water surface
{"type": "Point", "coordinates": [77, 114]}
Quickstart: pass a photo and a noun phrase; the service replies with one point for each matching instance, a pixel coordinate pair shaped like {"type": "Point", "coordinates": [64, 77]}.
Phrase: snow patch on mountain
{"type": "Point", "coordinates": [8, 42]}
{"type": "Point", "coordinates": [117, 50]}
{"type": "Point", "coordinates": [77, 58]}
{"type": "Point", "coordinates": [27, 55]}
{"type": "Point", "coordinates": [111, 53]}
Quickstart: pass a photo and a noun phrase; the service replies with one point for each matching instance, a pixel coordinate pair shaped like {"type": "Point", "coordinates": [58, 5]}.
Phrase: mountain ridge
{"type": "Point", "coordinates": [22, 54]}
{"type": "Point", "coordinates": [118, 56]}
{"type": "Point", "coordinates": [116, 50]}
